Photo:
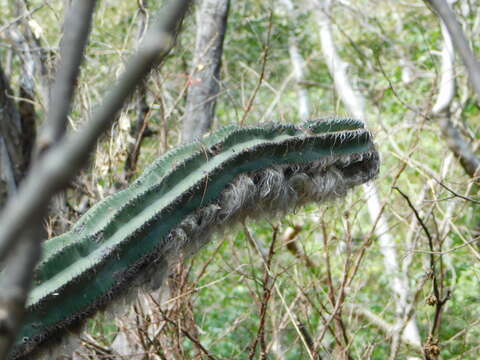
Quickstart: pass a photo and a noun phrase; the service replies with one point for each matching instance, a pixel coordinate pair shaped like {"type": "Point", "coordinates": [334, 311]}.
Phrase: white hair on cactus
{"type": "Point", "coordinates": [271, 192]}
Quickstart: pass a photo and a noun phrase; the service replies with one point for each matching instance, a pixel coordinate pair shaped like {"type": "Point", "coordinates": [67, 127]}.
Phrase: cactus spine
{"type": "Point", "coordinates": [180, 200]}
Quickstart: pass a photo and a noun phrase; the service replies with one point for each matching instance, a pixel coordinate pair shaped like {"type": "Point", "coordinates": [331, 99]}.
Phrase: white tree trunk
{"type": "Point", "coordinates": [298, 65]}
{"type": "Point", "coordinates": [441, 109]}
{"type": "Point", "coordinates": [446, 91]}
{"type": "Point", "coordinates": [355, 104]}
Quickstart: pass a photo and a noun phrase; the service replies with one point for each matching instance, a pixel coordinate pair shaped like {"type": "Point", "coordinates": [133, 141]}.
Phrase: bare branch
{"type": "Point", "coordinates": [336, 66]}
{"type": "Point", "coordinates": [446, 92]}
{"type": "Point", "coordinates": [383, 325]}
{"type": "Point", "coordinates": [298, 64]}
{"type": "Point", "coordinates": [431, 346]}
{"type": "Point", "coordinates": [60, 164]}
{"type": "Point", "coordinates": [441, 110]}
{"type": "Point", "coordinates": [460, 147]}
{"type": "Point", "coordinates": [76, 31]}
{"type": "Point", "coordinates": [21, 17]}
{"type": "Point", "coordinates": [27, 45]}
{"type": "Point", "coordinates": [459, 40]}
{"type": "Point", "coordinates": [15, 284]}
{"type": "Point", "coordinates": [266, 50]}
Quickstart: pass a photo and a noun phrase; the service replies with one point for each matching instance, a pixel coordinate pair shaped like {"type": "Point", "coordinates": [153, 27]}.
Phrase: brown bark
{"type": "Point", "coordinates": [140, 128]}
{"type": "Point", "coordinates": [13, 160]}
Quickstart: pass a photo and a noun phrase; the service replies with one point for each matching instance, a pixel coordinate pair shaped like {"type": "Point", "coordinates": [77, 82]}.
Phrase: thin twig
{"type": "Point", "coordinates": [266, 51]}
{"type": "Point", "coordinates": [193, 339]}
{"type": "Point", "coordinates": [268, 283]}
{"type": "Point", "coordinates": [23, 16]}
{"type": "Point", "coordinates": [431, 347]}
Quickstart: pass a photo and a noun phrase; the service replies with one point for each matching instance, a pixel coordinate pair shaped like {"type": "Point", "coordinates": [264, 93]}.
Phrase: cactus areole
{"type": "Point", "coordinates": [176, 204]}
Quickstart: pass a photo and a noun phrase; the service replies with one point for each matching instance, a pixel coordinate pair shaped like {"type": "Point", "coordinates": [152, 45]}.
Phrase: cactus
{"type": "Point", "coordinates": [178, 202]}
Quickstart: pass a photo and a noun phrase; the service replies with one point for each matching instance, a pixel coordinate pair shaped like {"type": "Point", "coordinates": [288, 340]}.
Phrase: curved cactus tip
{"type": "Point", "coordinates": [179, 201]}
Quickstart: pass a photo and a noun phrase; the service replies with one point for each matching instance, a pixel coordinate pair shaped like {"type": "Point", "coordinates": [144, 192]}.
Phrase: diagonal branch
{"type": "Point", "coordinates": [441, 109]}
{"type": "Point", "coordinates": [459, 40]}
{"type": "Point", "coordinates": [460, 147]}
{"type": "Point", "coordinates": [59, 165]}
{"type": "Point", "coordinates": [62, 162]}
{"type": "Point", "coordinates": [15, 283]}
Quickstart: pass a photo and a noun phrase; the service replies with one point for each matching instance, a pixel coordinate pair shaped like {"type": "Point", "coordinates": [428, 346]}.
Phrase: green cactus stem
{"type": "Point", "coordinates": [179, 201]}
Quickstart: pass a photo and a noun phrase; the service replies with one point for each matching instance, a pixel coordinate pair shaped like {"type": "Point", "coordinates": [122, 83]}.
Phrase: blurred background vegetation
{"type": "Point", "coordinates": [392, 50]}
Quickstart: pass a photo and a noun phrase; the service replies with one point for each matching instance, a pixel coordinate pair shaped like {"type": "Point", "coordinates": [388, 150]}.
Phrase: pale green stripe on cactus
{"type": "Point", "coordinates": [95, 217]}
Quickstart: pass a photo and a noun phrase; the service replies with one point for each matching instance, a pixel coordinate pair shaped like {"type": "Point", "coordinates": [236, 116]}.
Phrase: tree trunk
{"type": "Point", "coordinates": [298, 64]}
{"type": "Point", "coordinates": [354, 102]}
{"type": "Point", "coordinates": [13, 161]}
{"type": "Point", "coordinates": [205, 75]}
{"type": "Point", "coordinates": [460, 147]}
{"type": "Point", "coordinates": [459, 40]}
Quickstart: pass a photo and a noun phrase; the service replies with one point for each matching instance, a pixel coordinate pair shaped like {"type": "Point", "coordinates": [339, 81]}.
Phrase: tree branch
{"type": "Point", "coordinates": [15, 284]}
{"type": "Point", "coordinates": [76, 31]}
{"type": "Point", "coordinates": [441, 109]}
{"type": "Point", "coordinates": [459, 40]}
{"type": "Point", "coordinates": [298, 65]}
{"type": "Point", "coordinates": [460, 147]}
{"type": "Point", "coordinates": [59, 165]}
